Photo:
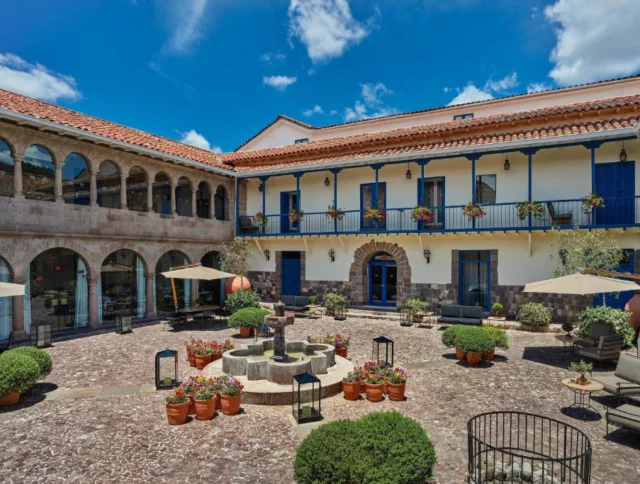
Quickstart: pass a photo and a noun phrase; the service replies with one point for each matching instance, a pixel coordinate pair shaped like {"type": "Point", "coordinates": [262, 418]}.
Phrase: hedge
{"type": "Point", "coordinates": [18, 373]}
{"type": "Point", "coordinates": [41, 357]}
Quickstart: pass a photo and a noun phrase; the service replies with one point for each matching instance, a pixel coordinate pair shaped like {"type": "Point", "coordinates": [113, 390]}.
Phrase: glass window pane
{"type": "Point", "coordinates": [6, 170]}
{"type": "Point", "coordinates": [38, 174]}
{"type": "Point", "coordinates": [486, 189]}
{"type": "Point", "coordinates": [76, 178]}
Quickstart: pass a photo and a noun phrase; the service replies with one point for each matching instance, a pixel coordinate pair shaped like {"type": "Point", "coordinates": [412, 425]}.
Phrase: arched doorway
{"type": "Point", "coordinates": [164, 295]}
{"type": "Point", "coordinates": [6, 303]}
{"type": "Point", "coordinates": [210, 292]}
{"type": "Point", "coordinates": [383, 280]}
{"type": "Point", "coordinates": [57, 290]}
{"type": "Point", "coordinates": [122, 286]}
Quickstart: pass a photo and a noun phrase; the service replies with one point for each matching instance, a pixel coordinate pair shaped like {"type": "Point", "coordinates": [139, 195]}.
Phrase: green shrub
{"type": "Point", "coordinates": [496, 308]}
{"type": "Point", "coordinates": [241, 299]}
{"type": "Point", "coordinates": [534, 314]}
{"type": "Point", "coordinates": [475, 341]}
{"type": "Point", "coordinates": [450, 334]}
{"type": "Point", "coordinates": [18, 373]}
{"type": "Point", "coordinates": [248, 318]}
{"type": "Point", "coordinates": [499, 336]}
{"type": "Point", "coordinates": [616, 318]}
{"type": "Point", "coordinates": [333, 299]}
{"type": "Point", "coordinates": [381, 447]}
{"type": "Point", "coordinates": [414, 306]}
{"type": "Point", "coordinates": [41, 357]}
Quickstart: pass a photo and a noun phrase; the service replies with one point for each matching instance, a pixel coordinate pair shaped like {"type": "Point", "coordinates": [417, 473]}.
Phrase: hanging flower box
{"type": "Point", "coordinates": [295, 215]}
{"type": "Point", "coordinates": [530, 208]}
{"type": "Point", "coordinates": [375, 214]}
{"type": "Point", "coordinates": [473, 211]}
{"type": "Point", "coordinates": [422, 214]}
{"type": "Point", "coordinates": [591, 202]}
{"type": "Point", "coordinates": [334, 213]}
{"type": "Point", "coordinates": [260, 219]}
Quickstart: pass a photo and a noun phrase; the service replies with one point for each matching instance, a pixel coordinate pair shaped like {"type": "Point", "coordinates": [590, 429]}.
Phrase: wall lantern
{"type": "Point", "coordinates": [623, 153]}
{"type": "Point", "coordinates": [267, 254]}
{"type": "Point", "coordinates": [387, 350]}
{"type": "Point", "coordinates": [427, 255]}
{"type": "Point", "coordinates": [124, 324]}
{"type": "Point", "coordinates": [332, 255]}
{"type": "Point", "coordinates": [327, 182]}
{"type": "Point", "coordinates": [41, 338]}
{"type": "Point", "coordinates": [507, 164]}
{"type": "Point", "coordinates": [261, 187]}
{"type": "Point", "coordinates": [307, 391]}
{"type": "Point", "coordinates": [408, 173]}
{"type": "Point", "coordinates": [166, 369]}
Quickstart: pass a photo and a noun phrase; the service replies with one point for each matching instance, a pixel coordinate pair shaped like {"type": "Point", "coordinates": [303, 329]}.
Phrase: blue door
{"type": "Point", "coordinates": [615, 182]}
{"type": "Point", "coordinates": [288, 201]}
{"type": "Point", "coordinates": [383, 277]}
{"type": "Point", "coordinates": [627, 265]}
{"type": "Point", "coordinates": [291, 273]}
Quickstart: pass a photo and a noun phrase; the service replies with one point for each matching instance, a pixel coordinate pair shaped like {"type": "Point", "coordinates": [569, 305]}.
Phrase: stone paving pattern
{"type": "Point", "coordinates": [109, 437]}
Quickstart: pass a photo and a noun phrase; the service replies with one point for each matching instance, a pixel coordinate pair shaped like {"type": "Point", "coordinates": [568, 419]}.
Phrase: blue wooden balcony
{"type": "Point", "coordinates": [617, 213]}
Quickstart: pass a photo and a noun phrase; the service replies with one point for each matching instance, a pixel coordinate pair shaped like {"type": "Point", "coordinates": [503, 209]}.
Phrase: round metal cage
{"type": "Point", "coordinates": [524, 448]}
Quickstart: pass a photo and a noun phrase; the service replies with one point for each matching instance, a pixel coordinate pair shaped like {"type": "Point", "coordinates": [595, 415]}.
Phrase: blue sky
{"type": "Point", "coordinates": [214, 72]}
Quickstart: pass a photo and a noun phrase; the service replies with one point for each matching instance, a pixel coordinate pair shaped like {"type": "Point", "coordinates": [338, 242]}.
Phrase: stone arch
{"type": "Point", "coordinates": [359, 271]}
{"type": "Point", "coordinates": [10, 145]}
{"type": "Point", "coordinates": [8, 267]}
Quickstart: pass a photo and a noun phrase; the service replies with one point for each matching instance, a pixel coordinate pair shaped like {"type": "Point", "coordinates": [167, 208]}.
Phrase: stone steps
{"type": "Point", "coordinates": [359, 312]}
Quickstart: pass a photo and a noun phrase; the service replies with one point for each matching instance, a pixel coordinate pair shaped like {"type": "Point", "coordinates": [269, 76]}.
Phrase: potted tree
{"type": "Point", "coordinates": [496, 312]}
{"type": "Point", "coordinates": [416, 309]}
{"type": "Point", "coordinates": [567, 327]}
{"type": "Point", "coordinates": [247, 319]}
{"type": "Point", "coordinates": [473, 344]}
{"type": "Point", "coordinates": [351, 384]}
{"type": "Point", "coordinates": [177, 407]}
{"type": "Point", "coordinates": [331, 300]}
{"type": "Point", "coordinates": [375, 386]}
{"type": "Point", "coordinates": [205, 403]}
{"type": "Point", "coordinates": [396, 384]}
{"type": "Point", "coordinates": [230, 394]}
{"type": "Point", "coordinates": [582, 368]}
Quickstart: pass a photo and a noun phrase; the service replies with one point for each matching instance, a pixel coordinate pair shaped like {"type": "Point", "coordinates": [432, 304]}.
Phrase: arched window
{"type": "Point", "coordinates": [137, 189]}
{"type": "Point", "coordinates": [220, 203]}
{"type": "Point", "coordinates": [38, 174]}
{"type": "Point", "coordinates": [6, 170]}
{"type": "Point", "coordinates": [76, 178]}
{"type": "Point", "coordinates": [203, 200]}
{"type": "Point", "coordinates": [162, 194]}
{"type": "Point", "coordinates": [6, 303]}
{"type": "Point", "coordinates": [210, 291]}
{"type": "Point", "coordinates": [183, 198]}
{"type": "Point", "coordinates": [164, 293]}
{"type": "Point", "coordinates": [108, 182]}
{"type": "Point", "coordinates": [123, 285]}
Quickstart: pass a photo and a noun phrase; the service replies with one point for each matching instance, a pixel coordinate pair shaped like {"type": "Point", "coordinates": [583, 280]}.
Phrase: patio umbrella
{"type": "Point", "coordinates": [581, 284]}
{"type": "Point", "coordinates": [195, 271]}
{"type": "Point", "coordinates": [9, 289]}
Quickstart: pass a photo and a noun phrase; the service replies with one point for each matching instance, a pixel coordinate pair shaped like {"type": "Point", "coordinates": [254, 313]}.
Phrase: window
{"type": "Point", "coordinates": [302, 140]}
{"type": "Point", "coordinates": [458, 117]}
{"type": "Point", "coordinates": [486, 189]}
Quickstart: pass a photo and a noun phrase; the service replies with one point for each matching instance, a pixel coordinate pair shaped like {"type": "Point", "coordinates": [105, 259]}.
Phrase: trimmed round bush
{"type": "Point", "coordinates": [18, 373]}
{"type": "Point", "coordinates": [615, 318]}
{"type": "Point", "coordinates": [534, 314]}
{"type": "Point", "coordinates": [41, 357]}
{"type": "Point", "coordinates": [450, 334]}
{"type": "Point", "coordinates": [248, 318]}
{"type": "Point", "coordinates": [381, 447]}
{"type": "Point", "coordinates": [475, 341]}
{"type": "Point", "coordinates": [499, 336]}
{"type": "Point", "coordinates": [333, 299]}
{"type": "Point", "coordinates": [241, 299]}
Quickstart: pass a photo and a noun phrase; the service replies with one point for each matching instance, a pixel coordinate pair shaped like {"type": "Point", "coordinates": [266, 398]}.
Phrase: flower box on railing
{"type": "Point", "coordinates": [422, 214]}
{"type": "Point", "coordinates": [295, 215]}
{"type": "Point", "coordinates": [260, 219]}
{"type": "Point", "coordinates": [375, 214]}
{"type": "Point", "coordinates": [473, 211]}
{"type": "Point", "coordinates": [591, 202]}
{"type": "Point", "coordinates": [334, 213]}
{"type": "Point", "coordinates": [536, 209]}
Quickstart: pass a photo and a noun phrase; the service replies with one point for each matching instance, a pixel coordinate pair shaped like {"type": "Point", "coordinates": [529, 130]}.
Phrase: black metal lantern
{"type": "Point", "coordinates": [623, 153]}
{"type": "Point", "coordinates": [41, 337]}
{"type": "Point", "coordinates": [166, 369]}
{"type": "Point", "coordinates": [507, 165]}
{"type": "Point", "coordinates": [427, 255]}
{"type": "Point", "coordinates": [261, 187]}
{"type": "Point", "coordinates": [124, 324]}
{"type": "Point", "coordinates": [332, 255]}
{"type": "Point", "coordinates": [327, 182]}
{"type": "Point", "coordinates": [267, 254]}
{"type": "Point", "coordinates": [307, 391]}
{"type": "Point", "coordinates": [340, 312]}
{"type": "Point", "coordinates": [386, 350]}
{"type": "Point", "coordinates": [407, 317]}
{"type": "Point", "coordinates": [408, 173]}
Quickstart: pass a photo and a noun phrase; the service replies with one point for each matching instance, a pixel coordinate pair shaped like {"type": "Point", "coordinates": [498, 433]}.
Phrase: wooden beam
{"type": "Point", "coordinates": [597, 272]}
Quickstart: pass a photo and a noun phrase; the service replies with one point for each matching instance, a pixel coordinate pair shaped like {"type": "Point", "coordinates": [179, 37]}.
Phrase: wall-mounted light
{"type": "Point", "coordinates": [427, 255]}
{"type": "Point", "coordinates": [332, 255]}
{"type": "Point", "coordinates": [408, 173]}
{"type": "Point", "coordinates": [507, 165]}
{"type": "Point", "coordinates": [327, 182]}
{"type": "Point", "coordinates": [261, 187]}
{"type": "Point", "coordinates": [267, 254]}
{"type": "Point", "coordinates": [623, 153]}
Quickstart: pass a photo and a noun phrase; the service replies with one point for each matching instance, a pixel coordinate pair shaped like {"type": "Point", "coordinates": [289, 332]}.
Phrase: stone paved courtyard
{"type": "Point", "coordinates": [125, 438]}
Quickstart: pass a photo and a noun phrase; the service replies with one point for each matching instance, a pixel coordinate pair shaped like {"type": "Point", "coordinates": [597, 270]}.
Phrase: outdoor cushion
{"type": "Point", "coordinates": [451, 311]}
{"type": "Point", "coordinates": [470, 321]}
{"type": "Point", "coordinates": [625, 416]}
{"type": "Point", "coordinates": [611, 385]}
{"type": "Point", "coordinates": [288, 300]}
{"type": "Point", "coordinates": [472, 312]}
{"type": "Point", "coordinates": [302, 301]}
{"type": "Point", "coordinates": [445, 319]}
{"type": "Point", "coordinates": [628, 368]}
{"type": "Point", "coordinates": [298, 308]}
{"type": "Point", "coordinates": [600, 329]}
{"type": "Point", "coordinates": [586, 342]}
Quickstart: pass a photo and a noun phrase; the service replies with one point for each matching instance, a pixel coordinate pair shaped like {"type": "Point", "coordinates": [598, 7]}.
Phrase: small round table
{"type": "Point", "coordinates": [582, 394]}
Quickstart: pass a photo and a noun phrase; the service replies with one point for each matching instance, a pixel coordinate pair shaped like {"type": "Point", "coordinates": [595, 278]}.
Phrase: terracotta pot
{"type": "Point", "coordinates": [230, 405]}
{"type": "Point", "coordinates": [202, 361]}
{"type": "Point", "coordinates": [396, 391]}
{"type": "Point", "coordinates": [351, 391]}
{"type": "Point", "coordinates": [12, 398]}
{"type": "Point", "coordinates": [192, 358]}
{"type": "Point", "coordinates": [205, 409]}
{"type": "Point", "coordinates": [385, 387]}
{"type": "Point", "coordinates": [177, 414]}
{"type": "Point", "coordinates": [474, 359]}
{"type": "Point", "coordinates": [216, 356]}
{"type": "Point", "coordinates": [218, 402]}
{"type": "Point", "coordinates": [375, 392]}
{"type": "Point", "coordinates": [459, 354]}
{"type": "Point", "coordinates": [245, 332]}
{"type": "Point", "coordinates": [233, 284]}
{"type": "Point", "coordinates": [342, 352]}
{"type": "Point", "coordinates": [192, 404]}
{"type": "Point", "coordinates": [363, 386]}
{"type": "Point", "coordinates": [489, 356]}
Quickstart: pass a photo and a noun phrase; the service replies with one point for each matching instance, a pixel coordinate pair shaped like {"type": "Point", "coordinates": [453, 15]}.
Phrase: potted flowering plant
{"type": "Point", "coordinates": [396, 383]}
{"type": "Point", "coordinates": [530, 208]}
{"type": "Point", "coordinates": [295, 215]}
{"type": "Point", "coordinates": [591, 202]}
{"type": "Point", "coordinates": [422, 214]}
{"type": "Point", "coordinates": [203, 352]}
{"type": "Point", "coordinates": [341, 344]}
{"type": "Point", "coordinates": [230, 394]}
{"type": "Point", "coordinates": [260, 219]}
{"type": "Point", "coordinates": [205, 403]}
{"type": "Point", "coordinates": [351, 384]}
{"type": "Point", "coordinates": [377, 215]}
{"type": "Point", "coordinates": [385, 373]}
{"type": "Point", "coordinates": [472, 210]}
{"type": "Point", "coordinates": [190, 387]}
{"type": "Point", "coordinates": [369, 367]}
{"type": "Point", "coordinates": [190, 346]}
{"type": "Point", "coordinates": [375, 386]}
{"type": "Point", "coordinates": [334, 213]}
{"type": "Point", "coordinates": [215, 350]}
{"type": "Point", "coordinates": [177, 407]}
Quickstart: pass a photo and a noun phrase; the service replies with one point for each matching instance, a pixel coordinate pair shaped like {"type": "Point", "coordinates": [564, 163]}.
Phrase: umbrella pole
{"type": "Point", "coordinates": [175, 295]}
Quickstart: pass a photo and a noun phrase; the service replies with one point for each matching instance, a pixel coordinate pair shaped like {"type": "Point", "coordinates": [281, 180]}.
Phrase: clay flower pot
{"type": "Point", "coordinates": [11, 398]}
{"type": "Point", "coordinates": [202, 361]}
{"type": "Point", "coordinates": [385, 387]}
{"type": "Point", "coordinates": [363, 386]}
{"type": "Point", "coordinates": [192, 358]}
{"type": "Point", "coordinates": [459, 354]}
{"type": "Point", "coordinates": [205, 409]}
{"type": "Point", "coordinates": [474, 359]}
{"type": "Point", "coordinates": [192, 404]}
{"type": "Point", "coordinates": [218, 402]}
{"type": "Point", "coordinates": [396, 391]}
{"type": "Point", "coordinates": [177, 414]}
{"type": "Point", "coordinates": [245, 332]}
{"type": "Point", "coordinates": [374, 392]}
{"type": "Point", "coordinates": [342, 352]}
{"type": "Point", "coordinates": [230, 404]}
{"type": "Point", "coordinates": [351, 391]}
{"type": "Point", "coordinates": [216, 356]}
{"type": "Point", "coordinates": [489, 356]}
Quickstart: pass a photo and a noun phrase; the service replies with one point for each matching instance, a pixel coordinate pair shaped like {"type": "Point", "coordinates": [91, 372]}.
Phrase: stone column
{"type": "Point", "coordinates": [18, 315]}
{"type": "Point", "coordinates": [172, 195]}
{"type": "Point", "coordinates": [123, 191]}
{"type": "Point", "coordinates": [58, 183]}
{"type": "Point", "coordinates": [149, 311]}
{"type": "Point", "coordinates": [193, 203]}
{"type": "Point", "coordinates": [93, 189]}
{"type": "Point", "coordinates": [211, 207]}
{"type": "Point", "coordinates": [194, 291]}
{"type": "Point", "coordinates": [93, 301]}
{"type": "Point", "coordinates": [150, 196]}
{"type": "Point", "coordinates": [17, 176]}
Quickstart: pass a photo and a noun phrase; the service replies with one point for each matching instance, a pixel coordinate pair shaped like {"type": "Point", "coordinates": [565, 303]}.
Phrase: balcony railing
{"type": "Point", "coordinates": [618, 212]}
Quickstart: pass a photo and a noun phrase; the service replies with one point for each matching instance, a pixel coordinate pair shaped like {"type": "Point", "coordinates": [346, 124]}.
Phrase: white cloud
{"type": "Point", "coordinates": [446, 89]}
{"type": "Point", "coordinates": [272, 57]}
{"type": "Point", "coordinates": [326, 27]}
{"type": "Point", "coordinates": [333, 112]}
{"type": "Point", "coordinates": [596, 40]}
{"type": "Point", "coordinates": [193, 138]}
{"type": "Point", "coordinates": [35, 80]}
{"type": "Point", "coordinates": [281, 83]}
{"type": "Point", "coordinates": [314, 110]}
{"type": "Point", "coordinates": [185, 21]}
{"type": "Point", "coordinates": [472, 93]}
{"type": "Point", "coordinates": [537, 87]}
{"type": "Point", "coordinates": [371, 104]}
{"type": "Point", "coordinates": [507, 82]}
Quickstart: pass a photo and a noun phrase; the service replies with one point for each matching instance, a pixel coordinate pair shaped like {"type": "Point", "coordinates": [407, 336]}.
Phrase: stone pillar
{"type": "Point", "coordinates": [123, 191]}
{"type": "Point", "coordinates": [194, 291]}
{"type": "Point", "coordinates": [58, 183]}
{"type": "Point", "coordinates": [150, 196]}
{"type": "Point", "coordinates": [18, 315]}
{"type": "Point", "coordinates": [17, 176]}
{"type": "Point", "coordinates": [211, 206]}
{"type": "Point", "coordinates": [149, 311]}
{"type": "Point", "coordinates": [172, 198]}
{"type": "Point", "coordinates": [193, 203]}
{"type": "Point", "coordinates": [93, 301]}
{"type": "Point", "coordinates": [93, 189]}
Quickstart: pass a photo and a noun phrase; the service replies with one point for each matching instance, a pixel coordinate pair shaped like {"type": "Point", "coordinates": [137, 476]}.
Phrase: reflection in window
{"type": "Point", "coordinates": [203, 200]}
{"type": "Point", "coordinates": [486, 189]}
{"type": "Point", "coordinates": [183, 198]}
{"type": "Point", "coordinates": [220, 203]}
{"type": "Point", "coordinates": [38, 174]}
{"type": "Point", "coordinates": [6, 170]}
{"type": "Point", "coordinates": [76, 179]}
{"type": "Point", "coordinates": [137, 189]}
{"type": "Point", "coordinates": [164, 294]}
{"type": "Point", "coordinates": [108, 182]}
{"type": "Point", "coordinates": [123, 285]}
{"type": "Point", "coordinates": [162, 194]}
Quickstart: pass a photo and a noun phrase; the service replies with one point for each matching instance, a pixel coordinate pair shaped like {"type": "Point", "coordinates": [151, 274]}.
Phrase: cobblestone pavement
{"type": "Point", "coordinates": [125, 438]}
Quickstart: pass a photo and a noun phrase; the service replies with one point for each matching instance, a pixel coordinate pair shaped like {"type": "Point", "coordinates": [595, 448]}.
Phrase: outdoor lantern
{"type": "Point", "coordinates": [387, 351]}
{"type": "Point", "coordinates": [340, 312]}
{"type": "Point", "coordinates": [41, 338]}
{"type": "Point", "coordinates": [327, 182]}
{"type": "Point", "coordinates": [123, 324]}
{"type": "Point", "coordinates": [507, 165]}
{"type": "Point", "coordinates": [307, 391]}
{"type": "Point", "coordinates": [267, 254]}
{"type": "Point", "coordinates": [623, 153]}
{"type": "Point", "coordinates": [166, 369]}
{"type": "Point", "coordinates": [407, 317]}
{"type": "Point", "coordinates": [261, 187]}
{"type": "Point", "coordinates": [427, 255]}
{"type": "Point", "coordinates": [332, 255]}
{"type": "Point", "coordinates": [408, 173]}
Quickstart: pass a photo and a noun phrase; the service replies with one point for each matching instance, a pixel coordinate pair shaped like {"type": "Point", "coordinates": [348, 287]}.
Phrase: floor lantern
{"type": "Point", "coordinates": [387, 350]}
{"type": "Point", "coordinates": [124, 324]}
{"type": "Point", "coordinates": [166, 369]}
{"type": "Point", "coordinates": [307, 391]}
{"type": "Point", "coordinates": [407, 317]}
{"type": "Point", "coordinates": [41, 338]}
{"type": "Point", "coordinates": [340, 312]}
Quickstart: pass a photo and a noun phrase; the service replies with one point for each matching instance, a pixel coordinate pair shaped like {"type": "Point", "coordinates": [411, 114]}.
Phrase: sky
{"type": "Point", "coordinates": [212, 73]}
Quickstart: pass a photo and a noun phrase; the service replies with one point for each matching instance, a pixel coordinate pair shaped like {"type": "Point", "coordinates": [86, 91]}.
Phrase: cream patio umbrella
{"type": "Point", "coordinates": [581, 284]}
{"type": "Point", "coordinates": [193, 271]}
{"type": "Point", "coordinates": [8, 289]}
